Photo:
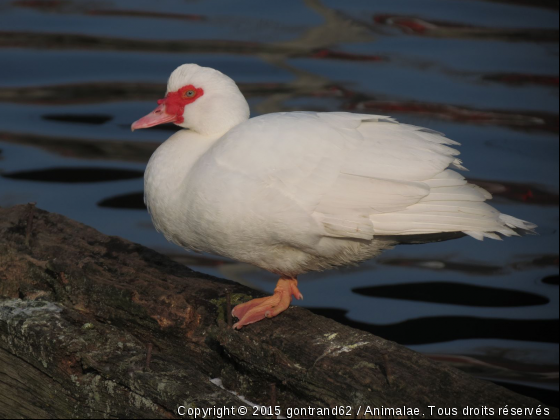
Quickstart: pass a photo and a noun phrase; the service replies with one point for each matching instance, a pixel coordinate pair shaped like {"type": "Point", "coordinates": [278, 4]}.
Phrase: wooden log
{"type": "Point", "coordinates": [95, 326]}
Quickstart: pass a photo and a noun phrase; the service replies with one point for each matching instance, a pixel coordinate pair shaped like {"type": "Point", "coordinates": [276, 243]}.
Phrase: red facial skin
{"type": "Point", "coordinates": [170, 109]}
{"type": "Point", "coordinates": [175, 102]}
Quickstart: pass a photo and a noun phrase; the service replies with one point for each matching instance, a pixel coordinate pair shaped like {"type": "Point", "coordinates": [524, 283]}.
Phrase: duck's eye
{"type": "Point", "coordinates": [190, 93]}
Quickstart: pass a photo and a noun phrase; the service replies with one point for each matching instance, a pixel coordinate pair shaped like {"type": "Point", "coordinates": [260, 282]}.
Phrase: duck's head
{"type": "Point", "coordinates": [201, 99]}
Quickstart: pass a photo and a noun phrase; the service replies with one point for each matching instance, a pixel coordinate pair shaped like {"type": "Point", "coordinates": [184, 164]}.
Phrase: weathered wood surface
{"type": "Point", "coordinates": [80, 311]}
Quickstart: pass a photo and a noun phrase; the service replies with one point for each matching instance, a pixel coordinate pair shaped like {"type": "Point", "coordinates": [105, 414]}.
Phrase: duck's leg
{"type": "Point", "coordinates": [267, 307]}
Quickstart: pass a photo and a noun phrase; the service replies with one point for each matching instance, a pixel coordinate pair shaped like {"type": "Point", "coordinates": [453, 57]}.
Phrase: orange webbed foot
{"type": "Point", "coordinates": [267, 307]}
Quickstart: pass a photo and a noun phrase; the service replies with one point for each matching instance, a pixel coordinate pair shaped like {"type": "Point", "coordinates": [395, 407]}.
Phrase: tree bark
{"type": "Point", "coordinates": [95, 326]}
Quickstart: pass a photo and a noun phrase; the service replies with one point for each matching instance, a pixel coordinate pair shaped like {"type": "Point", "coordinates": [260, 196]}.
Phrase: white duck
{"type": "Point", "coordinates": [293, 192]}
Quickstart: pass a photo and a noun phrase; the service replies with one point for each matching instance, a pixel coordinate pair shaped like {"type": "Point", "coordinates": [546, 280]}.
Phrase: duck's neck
{"type": "Point", "coordinates": [169, 167]}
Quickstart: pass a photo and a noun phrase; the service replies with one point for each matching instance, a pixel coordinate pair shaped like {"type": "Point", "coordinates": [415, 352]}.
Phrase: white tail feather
{"type": "Point", "coordinates": [452, 205]}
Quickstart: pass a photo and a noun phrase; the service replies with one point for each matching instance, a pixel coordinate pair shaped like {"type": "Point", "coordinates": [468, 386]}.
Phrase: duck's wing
{"type": "Point", "coordinates": [357, 176]}
{"type": "Point", "coordinates": [382, 171]}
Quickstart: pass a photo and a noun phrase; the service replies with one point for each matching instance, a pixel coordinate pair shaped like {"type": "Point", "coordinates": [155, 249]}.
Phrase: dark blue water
{"type": "Point", "coordinates": [75, 75]}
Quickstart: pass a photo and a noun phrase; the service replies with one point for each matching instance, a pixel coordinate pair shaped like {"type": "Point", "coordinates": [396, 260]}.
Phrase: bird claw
{"type": "Point", "coordinates": [267, 307]}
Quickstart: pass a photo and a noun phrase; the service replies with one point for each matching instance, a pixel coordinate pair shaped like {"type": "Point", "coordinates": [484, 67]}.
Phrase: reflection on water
{"type": "Point", "coordinates": [76, 74]}
{"type": "Point", "coordinates": [73, 175]}
{"type": "Point", "coordinates": [455, 294]}
{"type": "Point", "coordinates": [443, 29]}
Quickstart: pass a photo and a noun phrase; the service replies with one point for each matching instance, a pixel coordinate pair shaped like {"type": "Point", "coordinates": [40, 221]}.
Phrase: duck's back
{"type": "Point", "coordinates": [318, 183]}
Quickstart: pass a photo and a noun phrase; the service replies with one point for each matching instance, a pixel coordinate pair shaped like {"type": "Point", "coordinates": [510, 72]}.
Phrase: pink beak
{"type": "Point", "coordinates": [156, 117]}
